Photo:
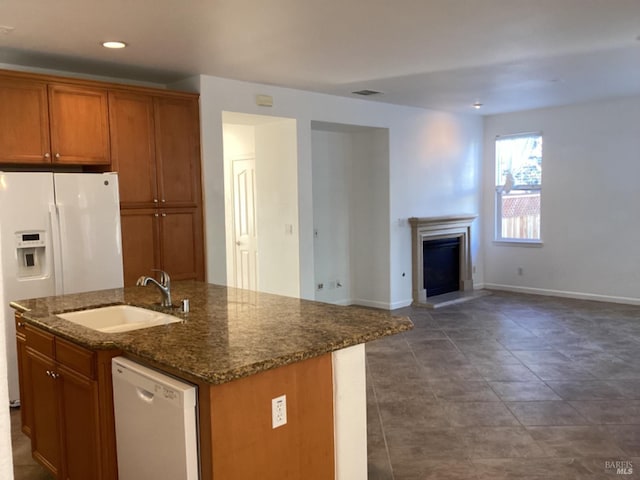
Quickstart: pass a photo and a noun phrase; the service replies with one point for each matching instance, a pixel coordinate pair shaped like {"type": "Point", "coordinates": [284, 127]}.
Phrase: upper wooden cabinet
{"type": "Point", "coordinates": [177, 151]}
{"type": "Point", "coordinates": [45, 123]}
{"type": "Point", "coordinates": [155, 146]}
{"type": "Point", "coordinates": [24, 122]}
{"type": "Point", "coordinates": [79, 119]}
{"type": "Point", "coordinates": [133, 147]}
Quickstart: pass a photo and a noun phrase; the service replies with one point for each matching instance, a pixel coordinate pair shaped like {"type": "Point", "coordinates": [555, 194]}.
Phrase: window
{"type": "Point", "coordinates": [518, 187]}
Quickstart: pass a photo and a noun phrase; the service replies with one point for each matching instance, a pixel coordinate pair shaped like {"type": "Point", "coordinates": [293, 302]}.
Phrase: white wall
{"type": "Point", "coordinates": [435, 170]}
{"type": "Point", "coordinates": [590, 199]}
{"type": "Point", "coordinates": [369, 220]}
{"type": "Point", "coordinates": [332, 155]}
{"type": "Point", "coordinates": [434, 162]}
{"type": "Point", "coordinates": [277, 208]}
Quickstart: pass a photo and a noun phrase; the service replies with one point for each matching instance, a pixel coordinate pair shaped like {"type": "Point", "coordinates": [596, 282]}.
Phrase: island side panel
{"type": "Point", "coordinates": [244, 444]}
{"type": "Point", "coordinates": [350, 405]}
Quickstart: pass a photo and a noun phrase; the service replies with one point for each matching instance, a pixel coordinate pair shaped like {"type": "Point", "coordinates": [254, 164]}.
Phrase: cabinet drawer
{"type": "Point", "coordinates": [40, 341]}
{"type": "Point", "coordinates": [75, 357]}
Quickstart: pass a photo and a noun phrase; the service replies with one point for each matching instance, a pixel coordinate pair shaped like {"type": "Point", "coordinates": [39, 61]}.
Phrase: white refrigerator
{"type": "Point", "coordinates": [59, 234]}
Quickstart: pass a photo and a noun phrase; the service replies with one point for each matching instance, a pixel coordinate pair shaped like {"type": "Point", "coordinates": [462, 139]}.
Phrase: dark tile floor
{"type": "Point", "coordinates": [24, 467]}
{"type": "Point", "coordinates": [507, 386]}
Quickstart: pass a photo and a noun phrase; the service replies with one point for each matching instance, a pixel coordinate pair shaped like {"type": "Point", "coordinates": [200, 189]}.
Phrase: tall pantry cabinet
{"type": "Point", "coordinates": [155, 147]}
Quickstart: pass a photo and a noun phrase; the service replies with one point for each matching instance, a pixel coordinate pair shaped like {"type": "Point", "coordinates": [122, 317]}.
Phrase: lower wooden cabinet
{"type": "Point", "coordinates": [70, 407]}
{"type": "Point", "coordinates": [45, 434]}
{"type": "Point", "coordinates": [169, 239]}
{"type": "Point", "coordinates": [21, 339]}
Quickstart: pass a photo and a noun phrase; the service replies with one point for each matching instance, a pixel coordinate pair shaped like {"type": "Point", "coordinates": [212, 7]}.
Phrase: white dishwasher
{"type": "Point", "coordinates": [156, 432]}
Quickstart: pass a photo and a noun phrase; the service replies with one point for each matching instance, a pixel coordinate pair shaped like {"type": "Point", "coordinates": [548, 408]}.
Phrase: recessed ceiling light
{"type": "Point", "coordinates": [114, 44]}
{"type": "Point", "coordinates": [477, 105]}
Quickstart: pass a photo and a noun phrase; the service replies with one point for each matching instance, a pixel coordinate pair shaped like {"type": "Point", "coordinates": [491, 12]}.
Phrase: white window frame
{"type": "Point", "coordinates": [498, 238]}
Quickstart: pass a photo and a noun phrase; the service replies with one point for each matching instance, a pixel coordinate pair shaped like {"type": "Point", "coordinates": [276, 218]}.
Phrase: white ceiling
{"type": "Point", "coordinates": [441, 54]}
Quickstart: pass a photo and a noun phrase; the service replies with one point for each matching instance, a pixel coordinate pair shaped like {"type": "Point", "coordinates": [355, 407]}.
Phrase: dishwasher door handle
{"type": "Point", "coordinates": [144, 395]}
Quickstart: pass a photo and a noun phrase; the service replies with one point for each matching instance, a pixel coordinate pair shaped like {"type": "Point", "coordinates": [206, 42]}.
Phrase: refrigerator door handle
{"type": "Point", "coordinates": [56, 248]}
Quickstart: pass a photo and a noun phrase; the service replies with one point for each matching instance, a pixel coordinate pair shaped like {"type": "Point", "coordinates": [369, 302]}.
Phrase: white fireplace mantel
{"type": "Point", "coordinates": [434, 228]}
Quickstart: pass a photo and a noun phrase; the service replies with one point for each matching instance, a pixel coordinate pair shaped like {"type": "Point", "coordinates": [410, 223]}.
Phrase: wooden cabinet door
{"type": "Point", "coordinates": [79, 125]}
{"type": "Point", "coordinates": [80, 427]}
{"type": "Point", "coordinates": [177, 151]}
{"type": "Point", "coordinates": [45, 432]}
{"type": "Point", "coordinates": [140, 243]}
{"type": "Point", "coordinates": [24, 122]}
{"type": "Point", "coordinates": [23, 375]}
{"type": "Point", "coordinates": [181, 243]}
{"type": "Point", "coordinates": [133, 148]}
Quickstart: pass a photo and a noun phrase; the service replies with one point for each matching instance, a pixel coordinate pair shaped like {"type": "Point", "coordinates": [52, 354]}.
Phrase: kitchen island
{"type": "Point", "coordinates": [243, 348]}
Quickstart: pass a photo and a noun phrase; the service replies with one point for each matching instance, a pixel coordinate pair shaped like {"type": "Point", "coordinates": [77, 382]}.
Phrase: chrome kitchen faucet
{"type": "Point", "coordinates": [164, 285]}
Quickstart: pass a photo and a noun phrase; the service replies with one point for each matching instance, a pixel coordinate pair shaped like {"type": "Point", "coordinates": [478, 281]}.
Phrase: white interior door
{"type": "Point", "coordinates": [245, 233]}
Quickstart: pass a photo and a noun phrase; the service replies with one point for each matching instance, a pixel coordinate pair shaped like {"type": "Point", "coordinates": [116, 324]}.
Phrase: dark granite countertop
{"type": "Point", "coordinates": [228, 334]}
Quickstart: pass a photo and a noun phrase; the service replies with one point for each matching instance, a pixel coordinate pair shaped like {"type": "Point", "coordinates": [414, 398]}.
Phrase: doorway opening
{"type": "Point", "coordinates": [351, 246]}
{"type": "Point", "coordinates": [261, 203]}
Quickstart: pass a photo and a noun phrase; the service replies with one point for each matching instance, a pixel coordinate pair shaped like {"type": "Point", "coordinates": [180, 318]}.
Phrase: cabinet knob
{"type": "Point", "coordinates": [156, 215]}
{"type": "Point", "coordinates": [155, 200]}
{"type": "Point", "coordinates": [47, 155]}
{"type": "Point", "coordinates": [48, 373]}
{"type": "Point", "coordinates": [163, 200]}
{"type": "Point", "coordinates": [20, 324]}
{"type": "Point", "coordinates": [164, 214]}
{"type": "Point", "coordinates": [57, 155]}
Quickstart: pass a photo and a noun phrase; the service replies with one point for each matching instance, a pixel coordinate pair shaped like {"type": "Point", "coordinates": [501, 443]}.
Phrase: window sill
{"type": "Point", "coordinates": [518, 243]}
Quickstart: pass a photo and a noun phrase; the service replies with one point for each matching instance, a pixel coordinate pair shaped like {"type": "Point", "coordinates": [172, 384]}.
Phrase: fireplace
{"type": "Point", "coordinates": [441, 265]}
{"type": "Point", "coordinates": [441, 245]}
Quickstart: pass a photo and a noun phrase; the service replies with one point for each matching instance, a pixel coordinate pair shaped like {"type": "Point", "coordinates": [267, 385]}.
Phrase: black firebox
{"type": "Point", "coordinates": [441, 259]}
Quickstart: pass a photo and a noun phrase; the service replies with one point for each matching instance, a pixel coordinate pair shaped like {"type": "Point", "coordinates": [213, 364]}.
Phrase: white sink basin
{"type": "Point", "coordinates": [118, 318]}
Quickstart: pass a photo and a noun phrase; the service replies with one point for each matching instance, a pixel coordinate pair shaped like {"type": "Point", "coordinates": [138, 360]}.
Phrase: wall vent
{"type": "Point", "coordinates": [366, 93]}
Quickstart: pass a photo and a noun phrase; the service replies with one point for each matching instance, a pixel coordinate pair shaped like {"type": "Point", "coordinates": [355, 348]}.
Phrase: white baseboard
{"type": "Point", "coordinates": [371, 303]}
{"type": "Point", "coordinates": [343, 303]}
{"type": "Point", "coordinates": [562, 293]}
{"type": "Point", "coordinates": [400, 304]}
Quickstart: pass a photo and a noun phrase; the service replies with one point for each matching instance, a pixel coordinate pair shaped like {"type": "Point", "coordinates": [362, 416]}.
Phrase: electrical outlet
{"type": "Point", "coordinates": [320, 286]}
{"type": "Point", "coordinates": [279, 411]}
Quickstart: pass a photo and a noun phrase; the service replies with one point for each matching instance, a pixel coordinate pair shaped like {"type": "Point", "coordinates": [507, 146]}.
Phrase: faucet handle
{"type": "Point", "coordinates": [165, 279]}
